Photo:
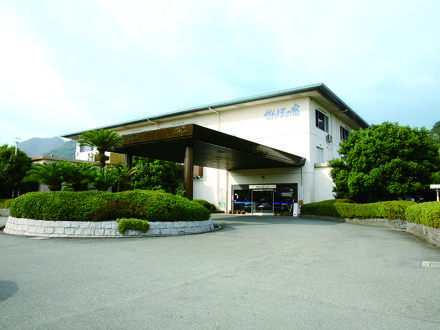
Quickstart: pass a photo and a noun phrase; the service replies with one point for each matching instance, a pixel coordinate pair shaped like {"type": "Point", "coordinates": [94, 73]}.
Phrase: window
{"type": "Point", "coordinates": [344, 133]}
{"type": "Point", "coordinates": [319, 155]}
{"type": "Point", "coordinates": [321, 121]}
{"type": "Point", "coordinates": [85, 149]}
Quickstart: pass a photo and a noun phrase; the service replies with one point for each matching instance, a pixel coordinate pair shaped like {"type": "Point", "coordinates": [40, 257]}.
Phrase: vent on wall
{"type": "Point", "coordinates": [329, 138]}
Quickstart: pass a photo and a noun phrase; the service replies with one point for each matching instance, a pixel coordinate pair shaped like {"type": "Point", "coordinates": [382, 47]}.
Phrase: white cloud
{"type": "Point", "coordinates": [33, 96]}
{"type": "Point", "coordinates": [74, 66]}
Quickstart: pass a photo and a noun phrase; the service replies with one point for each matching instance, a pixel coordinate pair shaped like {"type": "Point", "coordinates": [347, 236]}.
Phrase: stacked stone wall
{"type": "Point", "coordinates": [43, 228]}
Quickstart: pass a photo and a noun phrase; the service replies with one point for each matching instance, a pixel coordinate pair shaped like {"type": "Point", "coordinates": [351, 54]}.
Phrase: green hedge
{"type": "Point", "coordinates": [103, 206]}
{"type": "Point", "coordinates": [5, 203]}
{"type": "Point", "coordinates": [344, 208]}
{"type": "Point", "coordinates": [211, 207]}
{"type": "Point", "coordinates": [427, 214]}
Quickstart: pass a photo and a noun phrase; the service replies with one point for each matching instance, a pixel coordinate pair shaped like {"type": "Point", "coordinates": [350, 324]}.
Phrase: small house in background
{"type": "Point", "coordinates": [259, 154]}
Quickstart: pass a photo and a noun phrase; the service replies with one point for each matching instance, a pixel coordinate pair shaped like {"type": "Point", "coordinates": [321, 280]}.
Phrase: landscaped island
{"type": "Point", "coordinates": [103, 212]}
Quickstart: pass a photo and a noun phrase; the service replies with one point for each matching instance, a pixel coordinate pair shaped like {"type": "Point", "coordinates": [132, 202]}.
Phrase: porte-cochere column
{"type": "Point", "coordinates": [188, 171]}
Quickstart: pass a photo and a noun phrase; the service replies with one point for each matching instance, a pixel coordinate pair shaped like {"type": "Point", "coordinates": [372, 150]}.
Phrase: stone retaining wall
{"type": "Point", "coordinates": [429, 234]}
{"type": "Point", "coordinates": [432, 235]}
{"type": "Point", "coordinates": [44, 228]}
{"type": "Point", "coordinates": [396, 224]}
{"type": "Point", "coordinates": [4, 212]}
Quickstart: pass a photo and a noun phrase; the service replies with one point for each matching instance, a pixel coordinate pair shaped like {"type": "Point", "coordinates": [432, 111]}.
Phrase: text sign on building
{"type": "Point", "coordinates": [282, 113]}
{"type": "Point", "coordinates": [262, 186]}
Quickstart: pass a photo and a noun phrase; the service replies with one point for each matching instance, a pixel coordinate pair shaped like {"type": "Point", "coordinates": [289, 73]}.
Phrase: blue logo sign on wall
{"type": "Point", "coordinates": [282, 113]}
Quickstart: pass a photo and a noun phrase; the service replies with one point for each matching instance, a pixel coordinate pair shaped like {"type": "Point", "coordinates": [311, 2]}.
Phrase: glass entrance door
{"type": "Point", "coordinates": [262, 201]}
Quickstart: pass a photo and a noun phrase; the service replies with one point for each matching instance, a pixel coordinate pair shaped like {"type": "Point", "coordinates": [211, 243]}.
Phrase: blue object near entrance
{"type": "Point", "coordinates": [265, 199]}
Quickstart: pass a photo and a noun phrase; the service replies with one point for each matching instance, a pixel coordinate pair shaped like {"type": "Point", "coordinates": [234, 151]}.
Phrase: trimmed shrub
{"type": "Point", "coordinates": [211, 207]}
{"type": "Point", "coordinates": [325, 208]}
{"type": "Point", "coordinates": [427, 214]}
{"type": "Point", "coordinates": [104, 206]}
{"type": "Point", "coordinates": [5, 203]}
{"type": "Point", "coordinates": [343, 208]}
{"type": "Point", "coordinates": [125, 224]}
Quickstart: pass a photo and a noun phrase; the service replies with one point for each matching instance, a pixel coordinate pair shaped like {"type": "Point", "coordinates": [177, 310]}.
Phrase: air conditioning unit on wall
{"type": "Point", "coordinates": [329, 138]}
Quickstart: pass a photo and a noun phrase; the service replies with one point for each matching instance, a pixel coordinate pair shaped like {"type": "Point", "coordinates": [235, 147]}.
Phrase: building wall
{"type": "Point", "coordinates": [288, 125]}
{"type": "Point", "coordinates": [323, 183]}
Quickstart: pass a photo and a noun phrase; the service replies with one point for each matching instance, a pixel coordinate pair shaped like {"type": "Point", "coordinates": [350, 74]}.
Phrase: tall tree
{"type": "Point", "coordinates": [13, 168]}
{"type": "Point", "coordinates": [103, 140]}
{"type": "Point", "coordinates": [385, 162]}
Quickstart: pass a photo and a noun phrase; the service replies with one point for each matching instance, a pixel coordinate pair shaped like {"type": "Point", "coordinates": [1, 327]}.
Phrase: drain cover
{"type": "Point", "coordinates": [430, 264]}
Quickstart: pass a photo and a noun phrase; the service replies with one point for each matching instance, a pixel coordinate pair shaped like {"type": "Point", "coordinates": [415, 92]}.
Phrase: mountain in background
{"type": "Point", "coordinates": [66, 150]}
{"type": "Point", "coordinates": [435, 132]}
{"type": "Point", "coordinates": [49, 146]}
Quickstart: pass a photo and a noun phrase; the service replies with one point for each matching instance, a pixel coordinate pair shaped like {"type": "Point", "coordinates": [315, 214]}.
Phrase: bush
{"type": "Point", "coordinates": [427, 214]}
{"type": "Point", "coordinates": [209, 206]}
{"type": "Point", "coordinates": [104, 206]}
{"type": "Point", "coordinates": [343, 208]}
{"type": "Point", "coordinates": [125, 224]}
{"type": "Point", "coordinates": [5, 203]}
{"type": "Point", "coordinates": [324, 208]}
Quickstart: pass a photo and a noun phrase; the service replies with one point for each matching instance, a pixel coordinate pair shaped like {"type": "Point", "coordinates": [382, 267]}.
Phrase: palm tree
{"type": "Point", "coordinates": [79, 176]}
{"type": "Point", "coordinates": [51, 174]}
{"type": "Point", "coordinates": [105, 178]}
{"type": "Point", "coordinates": [103, 140]}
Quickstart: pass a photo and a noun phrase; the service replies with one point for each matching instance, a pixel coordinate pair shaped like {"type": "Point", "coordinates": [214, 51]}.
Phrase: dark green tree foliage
{"type": "Point", "coordinates": [155, 174]}
{"type": "Point", "coordinates": [385, 162]}
{"type": "Point", "coordinates": [12, 171]}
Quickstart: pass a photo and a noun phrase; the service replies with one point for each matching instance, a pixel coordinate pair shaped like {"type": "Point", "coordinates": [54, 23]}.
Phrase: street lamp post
{"type": "Point", "coordinates": [16, 145]}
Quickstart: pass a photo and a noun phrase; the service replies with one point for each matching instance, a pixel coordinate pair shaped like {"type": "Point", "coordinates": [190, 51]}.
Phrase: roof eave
{"type": "Point", "coordinates": [320, 88]}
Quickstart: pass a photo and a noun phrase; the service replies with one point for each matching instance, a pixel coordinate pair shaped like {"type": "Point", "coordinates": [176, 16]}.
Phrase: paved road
{"type": "Point", "coordinates": [256, 273]}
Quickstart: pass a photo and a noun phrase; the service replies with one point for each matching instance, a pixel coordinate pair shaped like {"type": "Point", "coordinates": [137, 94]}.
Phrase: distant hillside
{"type": "Point", "coordinates": [435, 132]}
{"type": "Point", "coordinates": [48, 146]}
{"type": "Point", "coordinates": [66, 150]}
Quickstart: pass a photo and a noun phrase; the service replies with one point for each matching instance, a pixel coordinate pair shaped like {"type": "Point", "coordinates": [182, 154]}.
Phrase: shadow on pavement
{"type": "Point", "coordinates": [229, 222]}
{"type": "Point", "coordinates": [7, 289]}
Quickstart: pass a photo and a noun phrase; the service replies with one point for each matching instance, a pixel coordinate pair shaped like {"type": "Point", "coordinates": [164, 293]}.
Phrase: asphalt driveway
{"type": "Point", "coordinates": [255, 273]}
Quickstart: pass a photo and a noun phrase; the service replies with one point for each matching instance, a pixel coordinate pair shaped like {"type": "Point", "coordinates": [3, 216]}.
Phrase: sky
{"type": "Point", "coordinates": [70, 66]}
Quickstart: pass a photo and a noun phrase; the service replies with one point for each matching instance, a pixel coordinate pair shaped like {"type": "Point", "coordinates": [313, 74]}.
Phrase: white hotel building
{"type": "Point", "coordinates": [260, 154]}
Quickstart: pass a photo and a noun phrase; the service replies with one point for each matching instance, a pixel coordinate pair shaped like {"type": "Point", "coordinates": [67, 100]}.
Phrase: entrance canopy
{"type": "Point", "coordinates": [198, 145]}
{"type": "Point", "coordinates": [210, 149]}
